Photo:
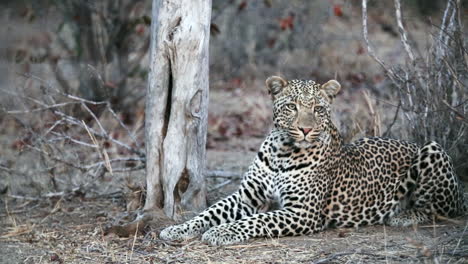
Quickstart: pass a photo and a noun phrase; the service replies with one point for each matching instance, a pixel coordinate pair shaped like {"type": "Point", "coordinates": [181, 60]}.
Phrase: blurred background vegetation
{"type": "Point", "coordinates": [98, 51]}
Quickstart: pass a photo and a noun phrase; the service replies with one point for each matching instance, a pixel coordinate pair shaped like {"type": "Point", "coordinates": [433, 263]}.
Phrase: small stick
{"type": "Point", "coordinates": [374, 114]}
{"type": "Point", "coordinates": [221, 185]}
{"type": "Point", "coordinates": [134, 240]}
{"type": "Point", "coordinates": [404, 41]}
{"type": "Point", "coordinates": [222, 174]}
{"type": "Point", "coordinates": [371, 52]}
{"type": "Point", "coordinates": [104, 132]}
{"type": "Point", "coordinates": [102, 151]}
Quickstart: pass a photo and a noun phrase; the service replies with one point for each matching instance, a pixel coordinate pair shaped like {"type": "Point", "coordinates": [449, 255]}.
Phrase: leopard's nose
{"type": "Point", "coordinates": [305, 130]}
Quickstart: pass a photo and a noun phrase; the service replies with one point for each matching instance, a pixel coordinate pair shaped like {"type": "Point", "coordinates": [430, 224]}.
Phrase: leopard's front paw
{"type": "Point", "coordinates": [178, 232]}
{"type": "Point", "coordinates": [223, 234]}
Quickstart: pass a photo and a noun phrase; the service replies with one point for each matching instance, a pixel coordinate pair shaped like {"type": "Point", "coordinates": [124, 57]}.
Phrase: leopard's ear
{"type": "Point", "coordinates": [330, 89]}
{"type": "Point", "coordinates": [275, 84]}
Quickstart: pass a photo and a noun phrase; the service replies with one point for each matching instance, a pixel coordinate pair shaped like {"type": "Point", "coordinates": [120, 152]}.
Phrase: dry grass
{"type": "Point", "coordinates": [72, 232]}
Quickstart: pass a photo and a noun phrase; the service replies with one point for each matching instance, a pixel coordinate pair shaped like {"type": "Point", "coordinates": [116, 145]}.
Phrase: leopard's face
{"type": "Point", "coordinates": [302, 108]}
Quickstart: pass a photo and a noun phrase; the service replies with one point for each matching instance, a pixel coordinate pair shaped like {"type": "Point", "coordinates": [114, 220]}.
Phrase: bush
{"type": "Point", "coordinates": [432, 87]}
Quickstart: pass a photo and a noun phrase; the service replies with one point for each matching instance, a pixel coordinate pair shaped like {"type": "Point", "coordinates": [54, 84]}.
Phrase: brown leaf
{"type": "Point", "coordinates": [356, 78]}
{"type": "Point", "coordinates": [360, 50]}
{"type": "Point", "coordinates": [342, 234]}
{"type": "Point", "coordinates": [140, 29]}
{"type": "Point", "coordinates": [55, 258]}
{"type": "Point", "coordinates": [271, 42]}
{"type": "Point", "coordinates": [337, 10]}
{"type": "Point", "coordinates": [106, 144]}
{"type": "Point", "coordinates": [110, 84]}
{"type": "Point", "coordinates": [236, 81]}
{"type": "Point", "coordinates": [18, 145]}
{"type": "Point", "coordinates": [242, 6]}
{"type": "Point", "coordinates": [287, 22]}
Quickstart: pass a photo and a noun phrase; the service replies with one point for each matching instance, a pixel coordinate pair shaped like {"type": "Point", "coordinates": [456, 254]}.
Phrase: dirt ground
{"type": "Point", "coordinates": [72, 231]}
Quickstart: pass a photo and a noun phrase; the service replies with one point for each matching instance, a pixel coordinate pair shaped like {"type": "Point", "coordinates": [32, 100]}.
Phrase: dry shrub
{"type": "Point", "coordinates": [432, 85]}
{"type": "Point", "coordinates": [71, 103]}
{"type": "Point", "coordinates": [63, 144]}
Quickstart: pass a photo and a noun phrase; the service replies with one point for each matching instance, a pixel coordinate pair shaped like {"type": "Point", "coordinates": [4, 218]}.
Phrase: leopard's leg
{"type": "Point", "coordinates": [270, 224]}
{"type": "Point", "coordinates": [299, 216]}
{"type": "Point", "coordinates": [437, 190]}
{"type": "Point", "coordinates": [251, 198]}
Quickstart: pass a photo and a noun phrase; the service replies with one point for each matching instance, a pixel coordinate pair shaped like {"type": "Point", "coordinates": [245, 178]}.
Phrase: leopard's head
{"type": "Point", "coordinates": [302, 108]}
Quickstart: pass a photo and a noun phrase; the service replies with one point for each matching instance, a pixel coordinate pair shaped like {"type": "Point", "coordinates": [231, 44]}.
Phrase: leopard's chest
{"type": "Point", "coordinates": [297, 172]}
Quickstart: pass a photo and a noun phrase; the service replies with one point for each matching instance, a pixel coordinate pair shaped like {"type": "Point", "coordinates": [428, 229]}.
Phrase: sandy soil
{"type": "Point", "coordinates": [72, 231]}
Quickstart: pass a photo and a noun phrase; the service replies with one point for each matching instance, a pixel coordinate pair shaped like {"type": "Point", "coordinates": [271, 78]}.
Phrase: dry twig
{"type": "Point", "coordinates": [370, 50]}
{"type": "Point", "coordinates": [375, 116]}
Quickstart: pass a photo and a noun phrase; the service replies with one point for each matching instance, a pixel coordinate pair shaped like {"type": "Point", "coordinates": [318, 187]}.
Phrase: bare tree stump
{"type": "Point", "coordinates": [177, 106]}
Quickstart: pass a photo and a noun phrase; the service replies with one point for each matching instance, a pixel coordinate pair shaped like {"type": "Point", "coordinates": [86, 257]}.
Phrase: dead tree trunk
{"type": "Point", "coordinates": [177, 106]}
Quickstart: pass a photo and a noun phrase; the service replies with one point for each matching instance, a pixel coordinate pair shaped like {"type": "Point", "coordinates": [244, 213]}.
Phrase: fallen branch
{"type": "Point", "coordinates": [220, 185]}
{"type": "Point", "coordinates": [222, 174]}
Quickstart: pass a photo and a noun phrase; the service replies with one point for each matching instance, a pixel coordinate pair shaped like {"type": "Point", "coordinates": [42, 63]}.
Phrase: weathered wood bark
{"type": "Point", "coordinates": [176, 106]}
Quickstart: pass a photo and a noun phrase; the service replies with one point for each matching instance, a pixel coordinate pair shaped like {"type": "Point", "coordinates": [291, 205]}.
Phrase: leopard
{"type": "Point", "coordinates": [318, 181]}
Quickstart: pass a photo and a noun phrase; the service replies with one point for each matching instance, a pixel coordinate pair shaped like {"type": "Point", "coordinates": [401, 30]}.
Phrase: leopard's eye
{"type": "Point", "coordinates": [319, 108]}
{"type": "Point", "coordinates": [291, 107]}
